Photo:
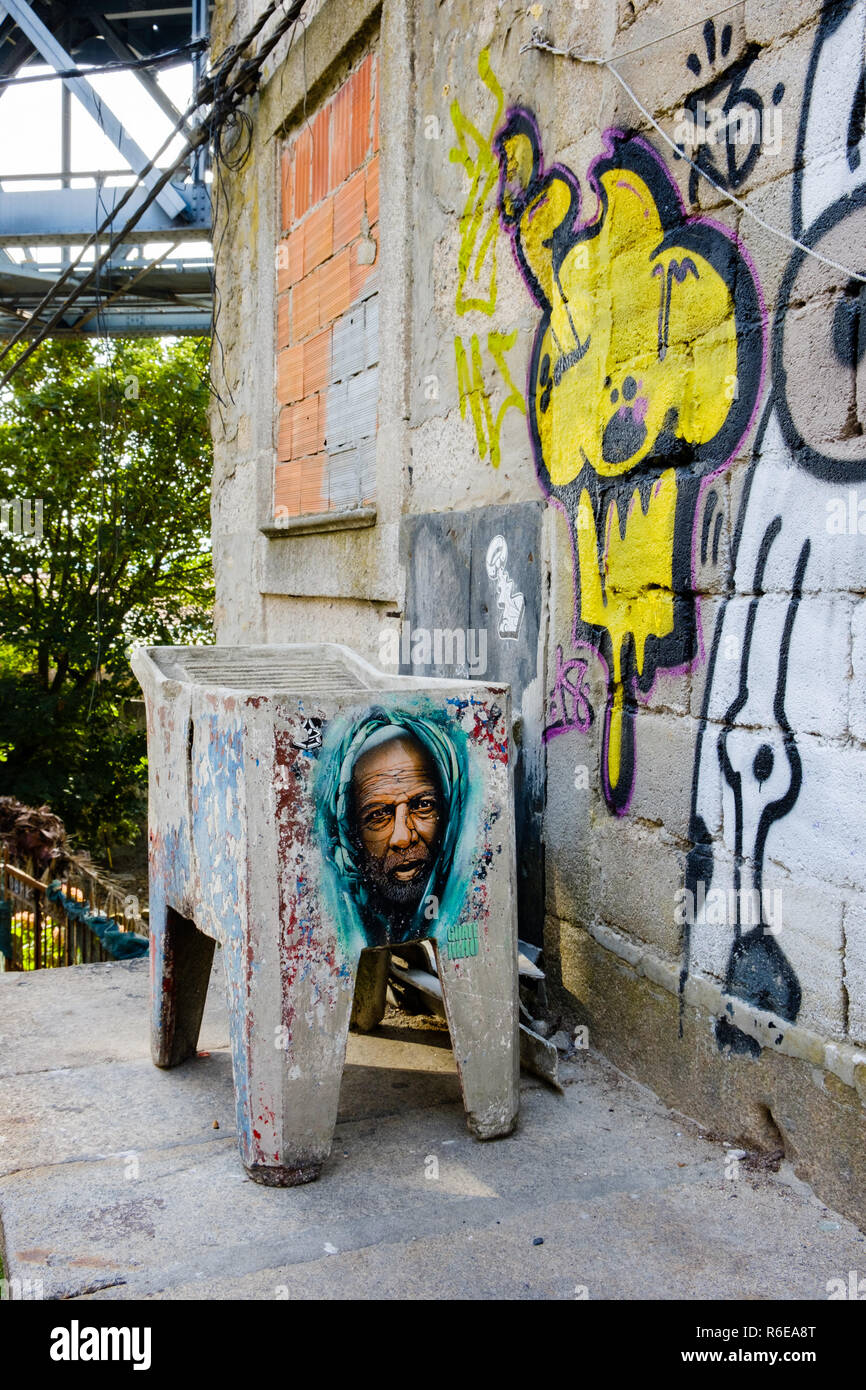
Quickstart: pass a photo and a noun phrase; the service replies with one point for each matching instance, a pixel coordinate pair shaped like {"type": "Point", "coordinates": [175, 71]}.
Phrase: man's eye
{"type": "Point", "coordinates": [425, 803]}
{"type": "Point", "coordinates": [378, 817]}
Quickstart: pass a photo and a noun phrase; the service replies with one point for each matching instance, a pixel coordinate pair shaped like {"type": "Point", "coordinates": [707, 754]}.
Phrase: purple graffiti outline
{"type": "Point", "coordinates": [561, 684]}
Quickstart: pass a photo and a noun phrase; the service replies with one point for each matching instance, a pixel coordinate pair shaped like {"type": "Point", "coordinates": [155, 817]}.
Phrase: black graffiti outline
{"type": "Point", "coordinates": [833, 15]}
{"type": "Point", "coordinates": [747, 948]}
{"type": "Point", "coordinates": [711, 504]}
{"type": "Point", "coordinates": [731, 78]}
{"type": "Point", "coordinates": [629, 152]}
{"type": "Point", "coordinates": [821, 465]}
{"type": "Point", "coordinates": [677, 270]}
{"type": "Point", "coordinates": [775, 810]}
{"type": "Point", "coordinates": [856, 124]}
{"type": "Point", "coordinates": [813, 460]}
{"type": "Point", "coordinates": [699, 859]}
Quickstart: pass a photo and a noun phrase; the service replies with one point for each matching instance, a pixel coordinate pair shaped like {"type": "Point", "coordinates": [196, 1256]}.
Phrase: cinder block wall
{"type": "Point", "coordinates": [620, 434]}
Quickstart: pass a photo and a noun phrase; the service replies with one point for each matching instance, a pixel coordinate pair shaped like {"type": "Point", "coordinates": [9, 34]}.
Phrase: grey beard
{"type": "Point", "coordinates": [390, 891]}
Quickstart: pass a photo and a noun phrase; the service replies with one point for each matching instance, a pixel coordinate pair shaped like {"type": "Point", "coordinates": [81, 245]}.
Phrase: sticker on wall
{"type": "Point", "coordinates": [309, 735]}
{"type": "Point", "coordinates": [510, 603]}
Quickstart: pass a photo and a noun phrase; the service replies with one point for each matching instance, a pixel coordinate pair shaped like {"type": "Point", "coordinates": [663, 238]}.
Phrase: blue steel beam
{"type": "Point", "coordinates": [50, 217]}
{"type": "Point", "coordinates": [136, 323]}
{"type": "Point", "coordinates": [146, 79]}
{"type": "Point", "coordinates": [130, 298]}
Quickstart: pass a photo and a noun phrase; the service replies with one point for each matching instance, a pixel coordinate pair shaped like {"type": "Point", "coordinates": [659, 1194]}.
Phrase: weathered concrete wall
{"type": "Point", "coordinates": [267, 556]}
{"type": "Point", "coordinates": [573, 309]}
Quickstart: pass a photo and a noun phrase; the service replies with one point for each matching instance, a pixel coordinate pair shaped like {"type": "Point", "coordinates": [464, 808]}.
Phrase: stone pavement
{"type": "Point", "coordinates": [115, 1181]}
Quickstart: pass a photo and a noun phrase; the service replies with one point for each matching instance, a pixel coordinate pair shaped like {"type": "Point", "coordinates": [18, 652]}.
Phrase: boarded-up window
{"type": "Point", "coordinates": [327, 304]}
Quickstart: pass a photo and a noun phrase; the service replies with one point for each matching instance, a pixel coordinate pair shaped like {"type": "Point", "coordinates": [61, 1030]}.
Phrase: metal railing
{"type": "Point", "coordinates": [43, 935]}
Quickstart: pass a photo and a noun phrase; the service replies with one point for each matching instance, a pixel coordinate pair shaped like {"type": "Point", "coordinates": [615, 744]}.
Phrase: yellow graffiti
{"type": "Point", "coordinates": [479, 221]}
{"type": "Point", "coordinates": [663, 322]}
{"type": "Point", "coordinates": [479, 229]}
{"type": "Point", "coordinates": [637, 370]}
{"type": "Point", "coordinates": [633, 597]}
{"type": "Point", "coordinates": [619, 306]}
{"type": "Point", "coordinates": [476, 395]}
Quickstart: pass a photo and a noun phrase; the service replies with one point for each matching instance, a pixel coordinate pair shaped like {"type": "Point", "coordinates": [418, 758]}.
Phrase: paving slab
{"type": "Point", "coordinates": [121, 1181]}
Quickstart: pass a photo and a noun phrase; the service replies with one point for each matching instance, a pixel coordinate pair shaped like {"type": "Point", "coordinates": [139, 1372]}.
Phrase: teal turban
{"type": "Point", "coordinates": [360, 920]}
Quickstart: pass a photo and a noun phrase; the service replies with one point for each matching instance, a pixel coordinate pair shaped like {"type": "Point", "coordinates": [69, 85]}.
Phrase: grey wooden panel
{"type": "Point", "coordinates": [479, 571]}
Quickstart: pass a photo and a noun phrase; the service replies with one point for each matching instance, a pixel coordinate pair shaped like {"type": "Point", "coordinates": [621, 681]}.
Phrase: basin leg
{"type": "Point", "coordinates": [288, 1041]}
{"type": "Point", "coordinates": [480, 995]}
{"type": "Point", "coordinates": [371, 987]}
{"type": "Point", "coordinates": [181, 959]}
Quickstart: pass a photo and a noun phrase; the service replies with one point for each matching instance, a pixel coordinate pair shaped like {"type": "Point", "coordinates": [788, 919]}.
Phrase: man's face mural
{"type": "Point", "coordinates": [393, 791]}
{"type": "Point", "coordinates": [645, 375]}
{"type": "Point", "coordinates": [397, 811]}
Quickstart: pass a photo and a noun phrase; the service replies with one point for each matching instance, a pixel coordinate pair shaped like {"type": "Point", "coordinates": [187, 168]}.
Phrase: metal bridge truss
{"type": "Point", "coordinates": [134, 294]}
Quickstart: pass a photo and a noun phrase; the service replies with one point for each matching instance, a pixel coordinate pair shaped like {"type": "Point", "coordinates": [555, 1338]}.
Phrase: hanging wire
{"type": "Point", "coordinates": [220, 217]}
{"type": "Point", "coordinates": [650, 43]}
{"type": "Point", "coordinates": [231, 154]}
{"type": "Point", "coordinates": [170, 55]}
{"type": "Point", "coordinates": [67, 274]}
{"type": "Point", "coordinates": [101, 487]}
{"type": "Point", "coordinates": [539, 43]}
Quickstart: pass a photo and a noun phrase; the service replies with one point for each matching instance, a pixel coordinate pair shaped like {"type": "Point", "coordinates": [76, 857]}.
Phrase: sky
{"type": "Point", "coordinates": [34, 109]}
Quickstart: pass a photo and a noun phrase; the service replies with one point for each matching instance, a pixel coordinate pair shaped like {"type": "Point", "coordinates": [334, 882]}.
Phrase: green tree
{"type": "Point", "coordinates": [113, 442]}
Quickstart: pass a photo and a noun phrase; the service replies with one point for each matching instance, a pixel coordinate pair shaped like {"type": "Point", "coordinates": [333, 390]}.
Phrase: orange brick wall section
{"type": "Point", "coordinates": [329, 183]}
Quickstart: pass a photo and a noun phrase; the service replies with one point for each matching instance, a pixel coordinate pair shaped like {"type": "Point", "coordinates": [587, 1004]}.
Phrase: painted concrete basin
{"type": "Point", "coordinates": [307, 811]}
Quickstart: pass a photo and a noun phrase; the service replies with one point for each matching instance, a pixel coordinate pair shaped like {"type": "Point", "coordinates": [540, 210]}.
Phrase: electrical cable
{"type": "Point", "coordinates": [233, 159]}
{"type": "Point", "coordinates": [101, 511]}
{"type": "Point", "coordinates": [542, 46]}
{"type": "Point", "coordinates": [157, 60]}
{"type": "Point", "coordinates": [224, 104]}
{"type": "Point", "coordinates": [51, 292]}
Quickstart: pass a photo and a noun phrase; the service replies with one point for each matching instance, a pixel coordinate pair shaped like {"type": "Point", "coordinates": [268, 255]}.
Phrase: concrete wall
{"type": "Point", "coordinates": [572, 314]}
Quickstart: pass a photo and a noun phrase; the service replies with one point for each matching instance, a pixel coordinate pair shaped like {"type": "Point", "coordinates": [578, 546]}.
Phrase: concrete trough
{"type": "Point", "coordinates": [307, 811]}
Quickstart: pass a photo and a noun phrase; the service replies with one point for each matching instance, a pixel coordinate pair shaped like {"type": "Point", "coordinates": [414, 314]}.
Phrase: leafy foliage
{"type": "Point", "coordinates": [115, 443]}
